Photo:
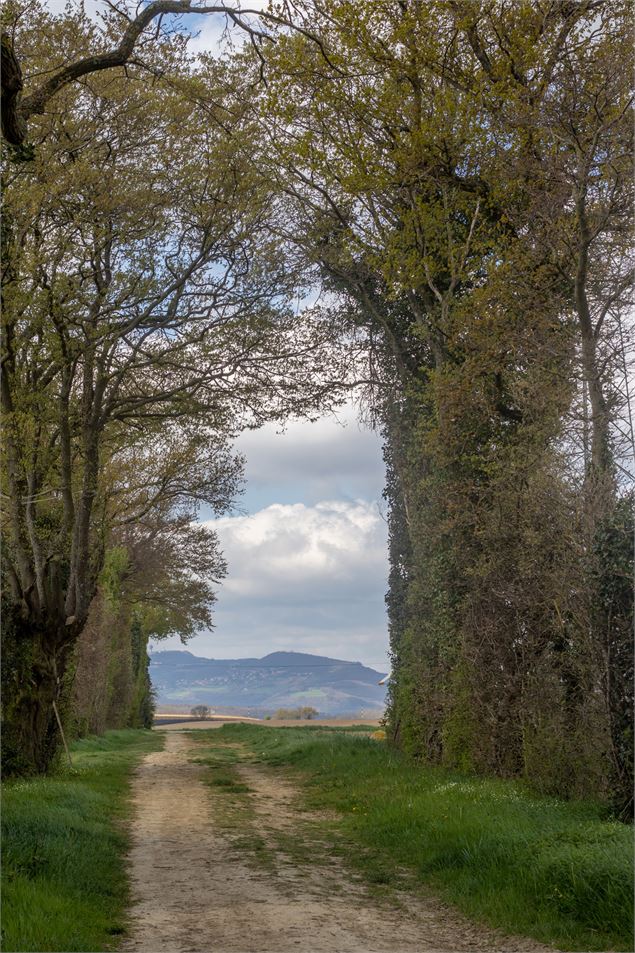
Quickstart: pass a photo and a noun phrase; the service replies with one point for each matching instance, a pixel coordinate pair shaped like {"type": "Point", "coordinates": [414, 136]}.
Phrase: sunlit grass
{"type": "Point", "coordinates": [63, 849]}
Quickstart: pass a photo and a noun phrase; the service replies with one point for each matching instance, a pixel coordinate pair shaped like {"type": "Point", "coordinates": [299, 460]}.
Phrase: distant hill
{"type": "Point", "coordinates": [279, 680]}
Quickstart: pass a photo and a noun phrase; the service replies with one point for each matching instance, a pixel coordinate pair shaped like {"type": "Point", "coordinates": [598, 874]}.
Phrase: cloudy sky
{"type": "Point", "coordinates": [307, 552]}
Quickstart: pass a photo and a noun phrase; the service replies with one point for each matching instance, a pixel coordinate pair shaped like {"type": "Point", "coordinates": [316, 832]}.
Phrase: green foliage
{"type": "Point", "coordinates": [116, 565]}
{"type": "Point", "coordinates": [64, 875]}
{"type": "Point", "coordinates": [613, 581]}
{"type": "Point", "coordinates": [111, 684]}
{"type": "Point", "coordinates": [459, 743]}
{"type": "Point", "coordinates": [17, 660]}
{"type": "Point", "coordinates": [304, 712]}
{"type": "Point", "coordinates": [457, 208]}
{"type": "Point", "coordinates": [560, 872]}
{"type": "Point", "coordinates": [128, 369]}
{"type": "Point", "coordinates": [467, 212]}
{"type": "Point", "coordinates": [22, 153]}
{"type": "Point", "coordinates": [29, 688]}
{"type": "Point", "coordinates": [143, 701]}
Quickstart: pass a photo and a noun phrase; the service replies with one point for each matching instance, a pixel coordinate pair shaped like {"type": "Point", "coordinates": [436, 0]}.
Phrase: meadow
{"type": "Point", "coordinates": [560, 872]}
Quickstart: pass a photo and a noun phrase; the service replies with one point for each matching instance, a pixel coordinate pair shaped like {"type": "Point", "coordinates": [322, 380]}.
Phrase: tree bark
{"type": "Point", "coordinates": [13, 122]}
{"type": "Point", "coordinates": [32, 678]}
{"type": "Point", "coordinates": [600, 456]}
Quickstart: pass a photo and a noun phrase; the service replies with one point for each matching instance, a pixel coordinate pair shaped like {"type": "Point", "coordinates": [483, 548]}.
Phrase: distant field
{"type": "Point", "coordinates": [215, 721]}
{"type": "Point", "coordinates": [175, 722]}
{"type": "Point", "coordinates": [325, 722]}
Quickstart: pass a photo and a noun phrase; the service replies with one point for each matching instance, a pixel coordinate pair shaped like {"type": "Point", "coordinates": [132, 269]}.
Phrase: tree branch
{"type": "Point", "coordinates": [17, 111]}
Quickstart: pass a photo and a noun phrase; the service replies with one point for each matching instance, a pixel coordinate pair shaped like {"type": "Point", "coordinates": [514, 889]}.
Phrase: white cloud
{"type": "Point", "coordinates": [332, 458]}
{"type": "Point", "coordinates": [301, 546]}
{"type": "Point", "coordinates": [209, 32]}
{"type": "Point", "coordinates": [216, 31]}
{"type": "Point", "coordinates": [304, 578]}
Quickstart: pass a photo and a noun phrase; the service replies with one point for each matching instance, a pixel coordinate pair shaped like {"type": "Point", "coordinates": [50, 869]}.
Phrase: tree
{"type": "Point", "coordinates": [138, 310]}
{"type": "Point", "coordinates": [159, 579]}
{"type": "Point", "coordinates": [126, 40]}
{"type": "Point", "coordinates": [303, 713]}
{"type": "Point", "coordinates": [576, 174]}
{"type": "Point", "coordinates": [430, 179]}
{"type": "Point", "coordinates": [574, 119]}
{"type": "Point", "coordinates": [200, 711]}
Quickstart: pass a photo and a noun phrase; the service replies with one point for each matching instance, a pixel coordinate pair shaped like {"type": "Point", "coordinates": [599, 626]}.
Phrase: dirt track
{"type": "Point", "coordinates": [194, 891]}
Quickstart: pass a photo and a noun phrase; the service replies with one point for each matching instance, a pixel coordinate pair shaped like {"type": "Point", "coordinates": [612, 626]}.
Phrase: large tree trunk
{"type": "Point", "coordinates": [34, 664]}
{"type": "Point", "coordinates": [600, 458]}
{"type": "Point", "coordinates": [13, 124]}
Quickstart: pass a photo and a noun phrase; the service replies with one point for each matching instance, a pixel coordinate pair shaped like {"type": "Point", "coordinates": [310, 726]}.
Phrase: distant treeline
{"type": "Point", "coordinates": [304, 713]}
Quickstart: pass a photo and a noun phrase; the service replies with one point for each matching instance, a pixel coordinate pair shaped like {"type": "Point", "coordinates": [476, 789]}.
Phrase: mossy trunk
{"type": "Point", "coordinates": [32, 677]}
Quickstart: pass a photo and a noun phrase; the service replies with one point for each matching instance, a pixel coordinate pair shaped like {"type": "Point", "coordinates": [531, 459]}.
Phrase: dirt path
{"type": "Point", "coordinates": [195, 891]}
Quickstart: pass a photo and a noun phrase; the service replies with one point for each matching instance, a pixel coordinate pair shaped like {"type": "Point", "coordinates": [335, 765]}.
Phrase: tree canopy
{"type": "Point", "coordinates": [454, 179]}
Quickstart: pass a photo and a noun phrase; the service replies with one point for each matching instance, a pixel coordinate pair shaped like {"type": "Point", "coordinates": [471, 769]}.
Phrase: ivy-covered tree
{"type": "Point", "coordinates": [456, 176]}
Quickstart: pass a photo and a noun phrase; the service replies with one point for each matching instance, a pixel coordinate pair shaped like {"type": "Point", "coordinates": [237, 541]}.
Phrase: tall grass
{"type": "Point", "coordinates": [561, 872]}
{"type": "Point", "coordinates": [63, 863]}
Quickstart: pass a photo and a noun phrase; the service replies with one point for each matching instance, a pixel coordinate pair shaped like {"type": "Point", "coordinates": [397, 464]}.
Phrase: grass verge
{"type": "Point", "coordinates": [65, 886]}
{"type": "Point", "coordinates": [561, 872]}
{"type": "Point", "coordinates": [232, 807]}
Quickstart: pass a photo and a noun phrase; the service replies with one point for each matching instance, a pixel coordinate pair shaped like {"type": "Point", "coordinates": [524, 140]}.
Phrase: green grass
{"type": "Point", "coordinates": [221, 772]}
{"type": "Point", "coordinates": [561, 872]}
{"type": "Point", "coordinates": [232, 807]}
{"type": "Point", "coordinates": [63, 866]}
